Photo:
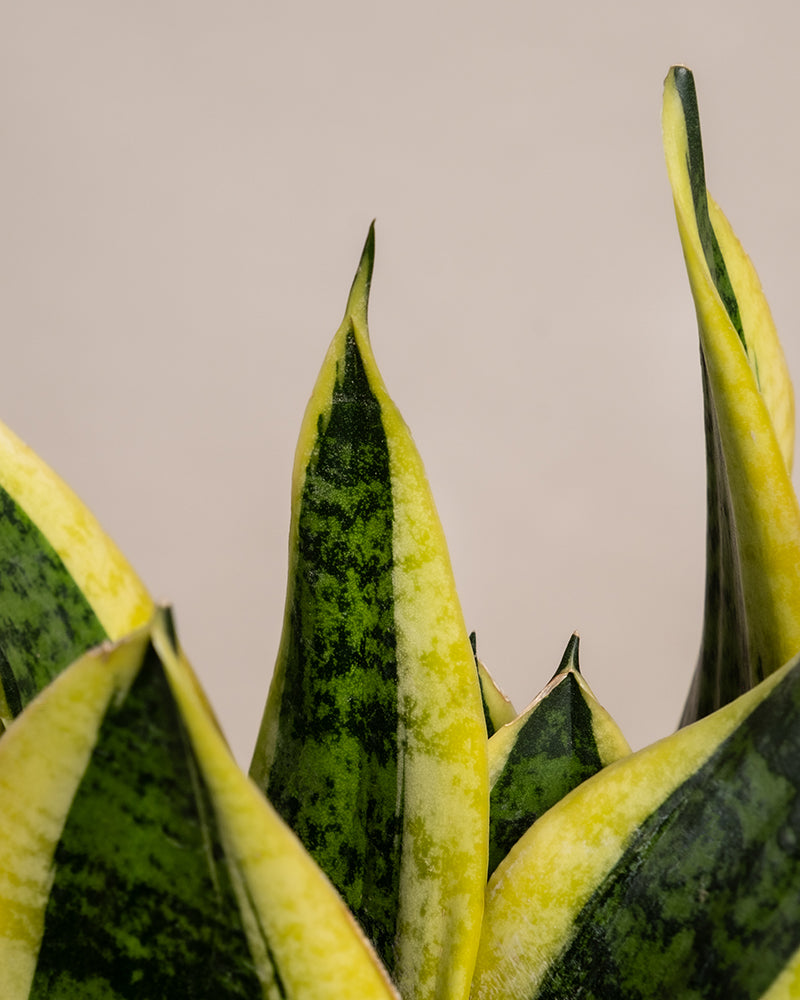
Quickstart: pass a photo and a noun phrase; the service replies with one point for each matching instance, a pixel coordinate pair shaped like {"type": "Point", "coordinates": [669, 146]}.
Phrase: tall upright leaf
{"type": "Point", "coordinates": [64, 585]}
{"type": "Point", "coordinates": [373, 743]}
{"type": "Point", "coordinates": [752, 613]}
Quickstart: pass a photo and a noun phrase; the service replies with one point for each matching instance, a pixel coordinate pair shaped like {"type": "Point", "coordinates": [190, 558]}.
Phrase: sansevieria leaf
{"type": "Point", "coordinates": [497, 709]}
{"type": "Point", "coordinates": [64, 585]}
{"type": "Point", "coordinates": [752, 613]}
{"type": "Point", "coordinates": [373, 742]}
{"type": "Point", "coordinates": [562, 738]}
{"type": "Point", "coordinates": [671, 873]}
{"type": "Point", "coordinates": [137, 860]}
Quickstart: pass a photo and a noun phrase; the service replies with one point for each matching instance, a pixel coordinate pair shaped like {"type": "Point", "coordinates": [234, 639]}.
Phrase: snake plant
{"type": "Point", "coordinates": [404, 832]}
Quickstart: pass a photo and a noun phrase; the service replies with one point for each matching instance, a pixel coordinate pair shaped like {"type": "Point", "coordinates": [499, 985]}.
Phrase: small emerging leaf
{"type": "Point", "coordinates": [562, 738]}
{"type": "Point", "coordinates": [497, 709]}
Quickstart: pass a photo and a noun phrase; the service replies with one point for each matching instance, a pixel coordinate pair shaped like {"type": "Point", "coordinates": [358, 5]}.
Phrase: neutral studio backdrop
{"type": "Point", "coordinates": [186, 187]}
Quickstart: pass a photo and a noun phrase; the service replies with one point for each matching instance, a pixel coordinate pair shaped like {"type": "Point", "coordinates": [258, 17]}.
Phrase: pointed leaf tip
{"type": "Point", "coordinates": [687, 92]}
{"type": "Point", "coordinates": [358, 299]}
{"type": "Point", "coordinates": [683, 82]}
{"type": "Point", "coordinates": [167, 619]}
{"type": "Point", "coordinates": [569, 661]}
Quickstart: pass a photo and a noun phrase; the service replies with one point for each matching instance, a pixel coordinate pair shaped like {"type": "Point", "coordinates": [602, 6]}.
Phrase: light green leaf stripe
{"type": "Point", "coordinates": [375, 687]}
{"type": "Point", "coordinates": [64, 586]}
{"type": "Point", "coordinates": [787, 984]}
{"type": "Point", "coordinates": [101, 572]}
{"type": "Point", "coordinates": [139, 902]}
{"type": "Point", "coordinates": [445, 813]}
{"type": "Point", "coordinates": [753, 587]}
{"type": "Point", "coordinates": [43, 756]}
{"type": "Point", "coordinates": [113, 878]}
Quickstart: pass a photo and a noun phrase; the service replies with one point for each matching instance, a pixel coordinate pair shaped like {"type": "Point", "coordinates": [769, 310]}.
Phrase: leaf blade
{"type": "Point", "coordinates": [122, 871]}
{"type": "Point", "coordinates": [497, 708]}
{"type": "Point", "coordinates": [542, 930]}
{"type": "Point", "coordinates": [64, 585]}
{"type": "Point", "coordinates": [560, 740]}
{"type": "Point", "coordinates": [32, 824]}
{"type": "Point", "coordinates": [422, 690]}
{"type": "Point", "coordinates": [304, 940]}
{"type": "Point", "coordinates": [752, 625]}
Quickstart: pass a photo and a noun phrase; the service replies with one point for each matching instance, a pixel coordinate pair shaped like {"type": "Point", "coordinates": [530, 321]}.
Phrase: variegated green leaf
{"type": "Point", "coordinates": [64, 585]}
{"type": "Point", "coordinates": [304, 941]}
{"type": "Point", "coordinates": [562, 738]}
{"type": "Point", "coordinates": [373, 743]}
{"type": "Point", "coordinates": [671, 873]}
{"type": "Point", "coordinates": [136, 860]}
{"type": "Point", "coordinates": [497, 709]}
{"type": "Point", "coordinates": [752, 616]}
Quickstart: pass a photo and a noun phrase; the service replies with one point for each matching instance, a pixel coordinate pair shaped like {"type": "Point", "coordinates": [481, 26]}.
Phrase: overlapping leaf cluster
{"type": "Point", "coordinates": [404, 832]}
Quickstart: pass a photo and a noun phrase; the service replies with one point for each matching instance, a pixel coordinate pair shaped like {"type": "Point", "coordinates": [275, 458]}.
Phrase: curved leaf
{"type": "Point", "coordinates": [136, 859]}
{"type": "Point", "coordinates": [43, 756]}
{"type": "Point", "coordinates": [64, 585]}
{"type": "Point", "coordinates": [752, 618]}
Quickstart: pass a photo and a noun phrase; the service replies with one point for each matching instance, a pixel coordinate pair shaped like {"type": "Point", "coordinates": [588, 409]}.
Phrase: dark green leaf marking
{"type": "Point", "coordinates": [684, 84]}
{"type": "Point", "coordinates": [142, 906]}
{"type": "Point", "coordinates": [45, 621]}
{"type": "Point", "coordinates": [725, 666]}
{"type": "Point", "coordinates": [335, 778]}
{"type": "Point", "coordinates": [705, 902]}
{"type": "Point", "coordinates": [491, 729]}
{"type": "Point", "coordinates": [554, 752]}
{"type": "Point", "coordinates": [724, 670]}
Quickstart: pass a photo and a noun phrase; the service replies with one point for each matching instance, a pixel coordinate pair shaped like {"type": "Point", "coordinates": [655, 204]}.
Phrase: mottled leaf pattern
{"type": "Point", "coordinates": [373, 744]}
{"type": "Point", "coordinates": [560, 740]}
{"type": "Point", "coordinates": [335, 778]}
{"type": "Point", "coordinates": [137, 860]}
{"type": "Point", "coordinates": [670, 873]}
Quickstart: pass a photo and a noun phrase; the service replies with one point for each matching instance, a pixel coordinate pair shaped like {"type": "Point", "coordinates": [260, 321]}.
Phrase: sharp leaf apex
{"type": "Point", "coordinates": [358, 300]}
{"type": "Point", "coordinates": [165, 621]}
{"type": "Point", "coordinates": [569, 661]}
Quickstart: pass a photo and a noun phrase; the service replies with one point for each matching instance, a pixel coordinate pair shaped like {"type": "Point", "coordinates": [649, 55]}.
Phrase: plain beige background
{"type": "Point", "coordinates": [186, 187]}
